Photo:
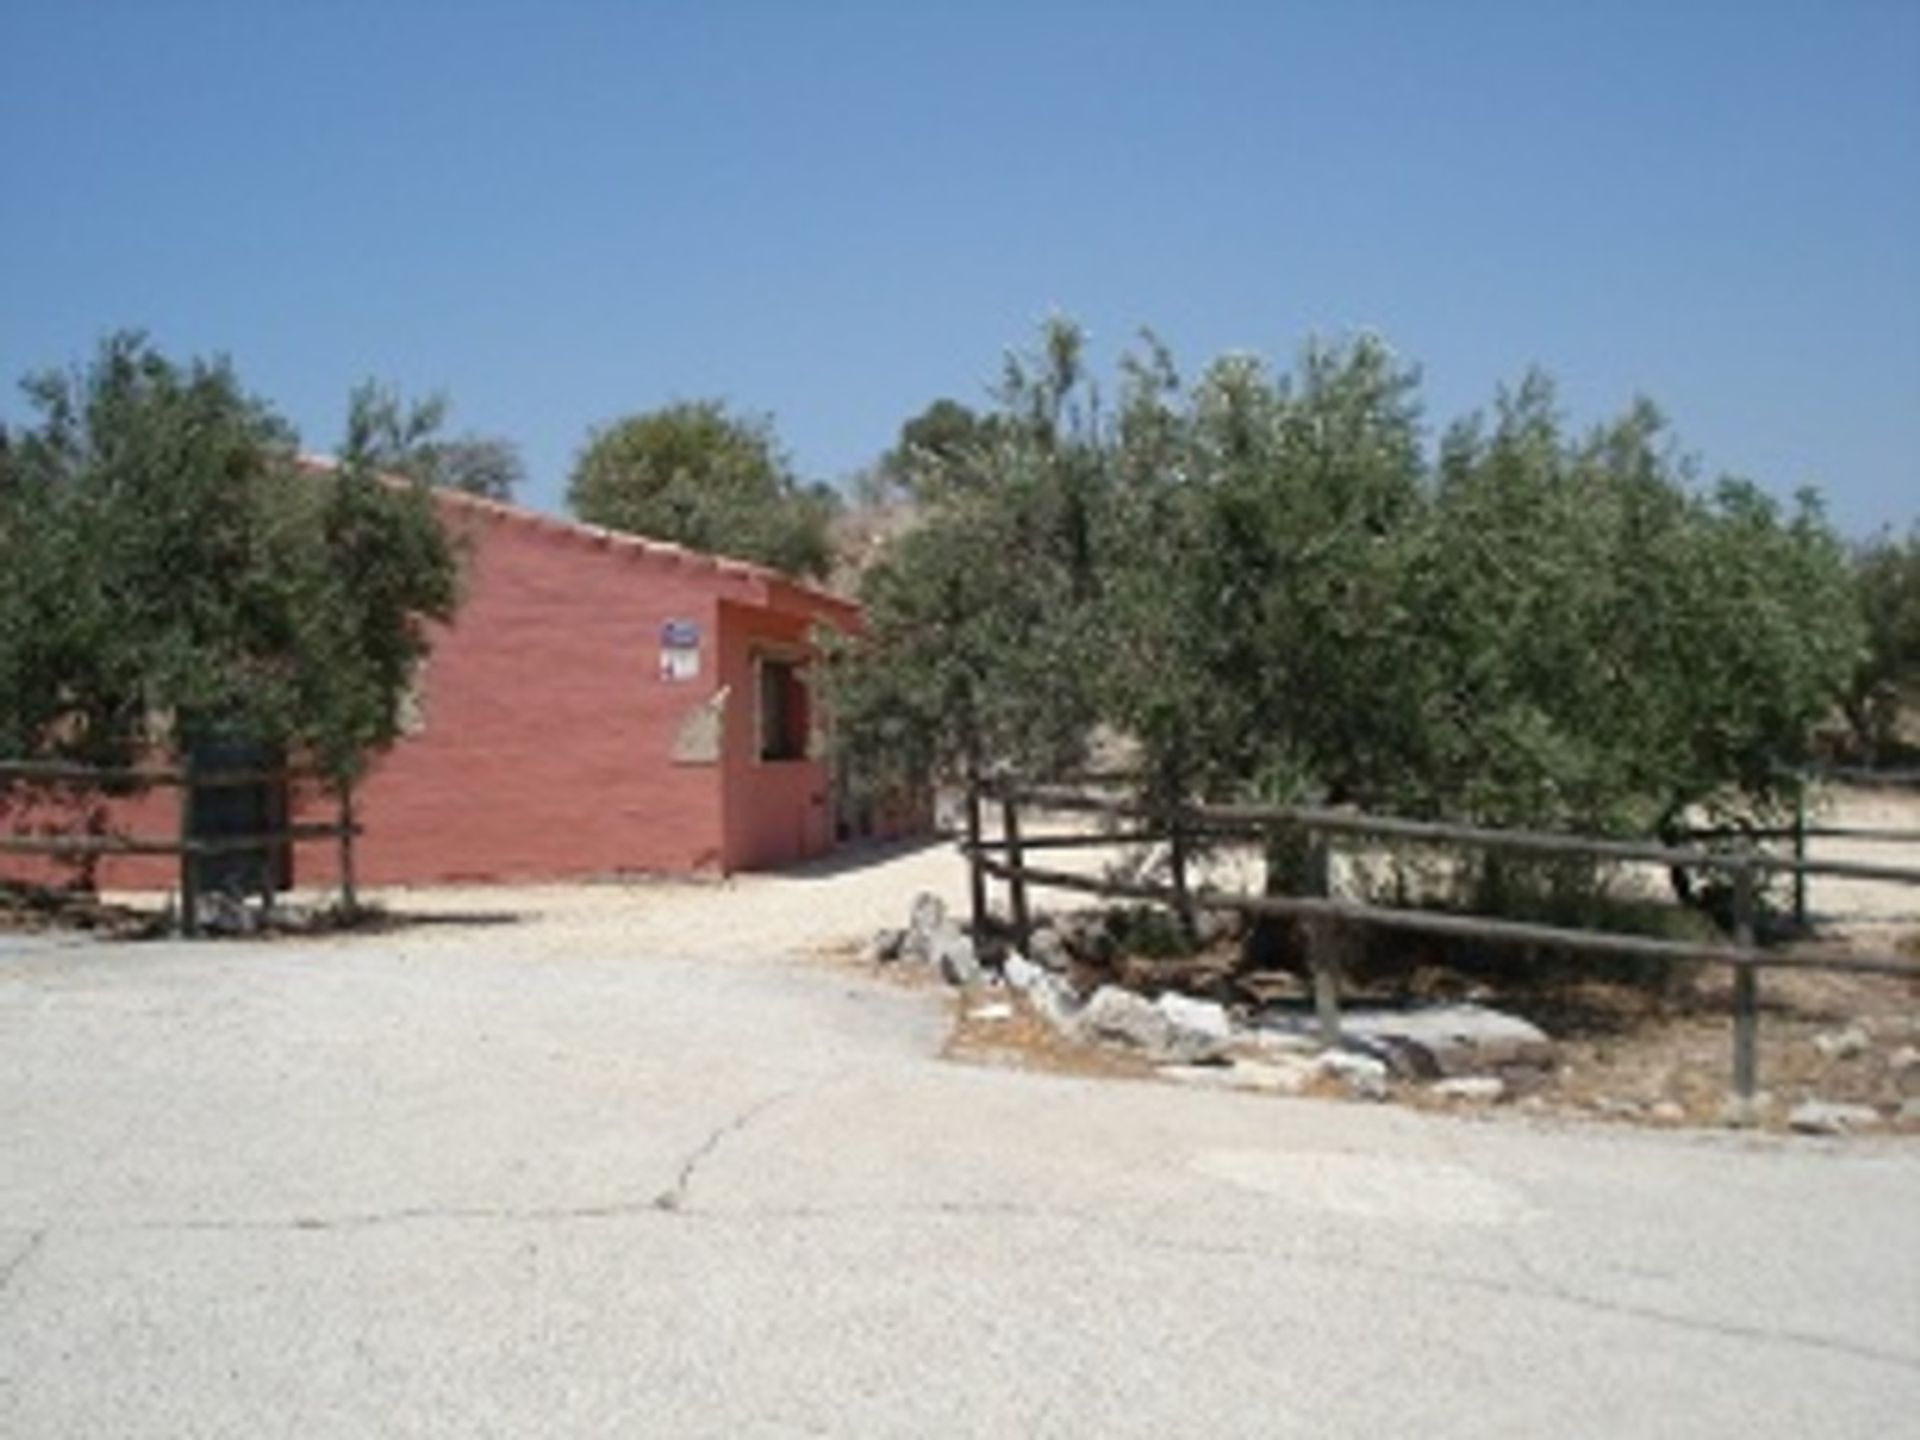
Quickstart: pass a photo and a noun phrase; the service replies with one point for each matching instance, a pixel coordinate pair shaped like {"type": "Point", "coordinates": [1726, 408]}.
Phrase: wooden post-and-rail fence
{"type": "Point", "coordinates": [1326, 917]}
{"type": "Point", "coordinates": [189, 846]}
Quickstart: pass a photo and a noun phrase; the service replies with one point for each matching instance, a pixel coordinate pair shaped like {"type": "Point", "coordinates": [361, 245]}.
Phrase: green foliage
{"type": "Point", "coordinates": [1274, 587]}
{"type": "Point", "coordinates": [1887, 679]}
{"type": "Point", "coordinates": [694, 474]}
{"type": "Point", "coordinates": [483, 465]}
{"type": "Point", "coordinates": [943, 449]}
{"type": "Point", "coordinates": [173, 568]}
{"type": "Point", "coordinates": [980, 617]}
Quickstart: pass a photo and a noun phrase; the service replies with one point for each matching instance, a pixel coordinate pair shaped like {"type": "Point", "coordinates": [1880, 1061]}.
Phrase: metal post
{"type": "Point", "coordinates": [1746, 999]}
{"type": "Point", "coordinates": [349, 891]}
{"type": "Point", "coordinates": [189, 866]}
{"type": "Point", "coordinates": [1016, 877]}
{"type": "Point", "coordinates": [976, 873]}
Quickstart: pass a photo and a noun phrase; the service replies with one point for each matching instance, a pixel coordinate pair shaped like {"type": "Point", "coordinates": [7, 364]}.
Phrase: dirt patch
{"type": "Point", "coordinates": [1020, 1039]}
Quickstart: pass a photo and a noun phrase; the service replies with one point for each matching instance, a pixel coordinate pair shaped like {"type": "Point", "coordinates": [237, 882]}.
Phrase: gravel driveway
{"type": "Point", "coordinates": [613, 1161]}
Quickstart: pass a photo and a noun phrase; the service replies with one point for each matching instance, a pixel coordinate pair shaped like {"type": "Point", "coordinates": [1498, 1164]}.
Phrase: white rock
{"type": "Point", "coordinates": [1843, 1044]}
{"type": "Point", "coordinates": [1049, 950]}
{"type": "Point", "coordinates": [953, 953]}
{"type": "Point", "coordinates": [998, 1010]}
{"type": "Point", "coordinates": [1904, 1059]}
{"type": "Point", "coordinates": [927, 922]}
{"type": "Point", "coordinates": [1196, 1029]}
{"type": "Point", "coordinates": [1365, 1078]}
{"type": "Point", "coordinates": [1269, 1079]}
{"type": "Point", "coordinates": [1120, 1016]}
{"type": "Point", "coordinates": [1460, 1039]}
{"type": "Point", "coordinates": [1020, 973]}
{"type": "Point", "coordinates": [1667, 1112]}
{"type": "Point", "coordinates": [1278, 1042]}
{"type": "Point", "coordinates": [1831, 1117]}
{"type": "Point", "coordinates": [1740, 1112]}
{"type": "Point", "coordinates": [1478, 1089]}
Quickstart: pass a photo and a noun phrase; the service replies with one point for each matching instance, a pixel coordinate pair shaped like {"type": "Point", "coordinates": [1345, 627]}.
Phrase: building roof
{"type": "Point", "coordinates": [761, 584]}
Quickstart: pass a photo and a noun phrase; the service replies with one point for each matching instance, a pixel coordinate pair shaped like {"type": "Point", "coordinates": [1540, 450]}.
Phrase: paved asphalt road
{"type": "Point", "coordinates": [468, 1188]}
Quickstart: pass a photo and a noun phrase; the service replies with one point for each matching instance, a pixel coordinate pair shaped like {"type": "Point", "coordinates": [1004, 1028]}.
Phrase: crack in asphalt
{"type": "Point", "coordinates": [13, 1267]}
{"type": "Point", "coordinates": [673, 1202]}
{"type": "Point", "coordinates": [1538, 1290]}
{"type": "Point", "coordinates": [674, 1198]}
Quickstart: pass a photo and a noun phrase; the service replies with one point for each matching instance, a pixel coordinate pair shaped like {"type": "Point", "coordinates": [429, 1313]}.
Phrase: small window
{"type": "Point", "coordinates": [783, 711]}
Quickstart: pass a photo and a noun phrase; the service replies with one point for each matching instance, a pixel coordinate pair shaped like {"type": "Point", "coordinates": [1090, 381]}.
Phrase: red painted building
{"type": "Point", "coordinates": [601, 704]}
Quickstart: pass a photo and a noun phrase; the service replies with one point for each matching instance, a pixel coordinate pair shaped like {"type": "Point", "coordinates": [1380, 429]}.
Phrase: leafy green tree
{"type": "Point", "coordinates": [174, 570]}
{"type": "Point", "coordinates": [484, 465]}
{"type": "Point", "coordinates": [1270, 584]}
{"type": "Point", "coordinates": [695, 474]}
{"type": "Point", "coordinates": [978, 648]}
{"type": "Point", "coordinates": [943, 449]}
{"type": "Point", "coordinates": [1887, 678]}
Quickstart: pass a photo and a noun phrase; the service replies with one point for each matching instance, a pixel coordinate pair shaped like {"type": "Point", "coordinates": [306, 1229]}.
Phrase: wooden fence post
{"type": "Point", "coordinates": [1746, 999]}
{"type": "Point", "coordinates": [1800, 852]}
{"type": "Point", "coordinates": [1324, 938]}
{"type": "Point", "coordinates": [349, 890]}
{"type": "Point", "coordinates": [189, 867]}
{"type": "Point", "coordinates": [1177, 864]}
{"type": "Point", "coordinates": [976, 870]}
{"type": "Point", "coordinates": [1016, 877]}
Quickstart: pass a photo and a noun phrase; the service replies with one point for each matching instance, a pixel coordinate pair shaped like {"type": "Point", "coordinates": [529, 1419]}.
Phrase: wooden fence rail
{"type": "Point", "coordinates": [1005, 859]}
{"type": "Point", "coordinates": [188, 846]}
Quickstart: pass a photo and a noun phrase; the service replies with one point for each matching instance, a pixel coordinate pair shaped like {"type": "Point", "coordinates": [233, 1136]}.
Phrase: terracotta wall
{"type": "Point", "coordinates": [777, 811]}
{"type": "Point", "coordinates": [553, 745]}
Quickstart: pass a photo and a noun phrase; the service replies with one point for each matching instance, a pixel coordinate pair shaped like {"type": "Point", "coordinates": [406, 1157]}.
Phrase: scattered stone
{"type": "Point", "coordinates": [1667, 1112]}
{"type": "Point", "coordinates": [1186, 1032]}
{"type": "Point", "coordinates": [1364, 1076]}
{"type": "Point", "coordinates": [1476, 1089]}
{"type": "Point", "coordinates": [954, 956]}
{"type": "Point", "coordinates": [1906, 1058]}
{"type": "Point", "coordinates": [1831, 1117]}
{"type": "Point", "coordinates": [1278, 1042]}
{"type": "Point", "coordinates": [1049, 949]}
{"type": "Point", "coordinates": [1270, 1079]}
{"type": "Point", "coordinates": [1046, 992]}
{"type": "Point", "coordinates": [1122, 1017]}
{"type": "Point", "coordinates": [1196, 1029]}
{"type": "Point", "coordinates": [997, 1010]}
{"type": "Point", "coordinates": [220, 913]}
{"type": "Point", "coordinates": [1843, 1044]}
{"type": "Point", "coordinates": [1020, 973]}
{"type": "Point", "coordinates": [1741, 1113]}
{"type": "Point", "coordinates": [884, 947]}
{"type": "Point", "coordinates": [1442, 1040]}
{"type": "Point", "coordinates": [927, 919]}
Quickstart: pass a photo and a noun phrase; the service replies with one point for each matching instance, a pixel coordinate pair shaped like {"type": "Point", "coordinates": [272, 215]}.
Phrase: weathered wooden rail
{"type": "Point", "coordinates": [1180, 827]}
{"type": "Point", "coordinates": [185, 844]}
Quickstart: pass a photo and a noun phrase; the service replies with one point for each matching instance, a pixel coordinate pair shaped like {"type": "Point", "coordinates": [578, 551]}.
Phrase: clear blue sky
{"type": "Point", "coordinates": [558, 213]}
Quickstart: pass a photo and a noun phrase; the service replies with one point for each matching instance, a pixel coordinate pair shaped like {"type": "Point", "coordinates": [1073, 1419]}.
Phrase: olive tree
{"type": "Point", "coordinates": [175, 570]}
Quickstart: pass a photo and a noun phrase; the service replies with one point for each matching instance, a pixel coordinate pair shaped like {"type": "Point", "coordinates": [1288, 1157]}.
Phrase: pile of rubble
{"type": "Point", "coordinates": [1459, 1053]}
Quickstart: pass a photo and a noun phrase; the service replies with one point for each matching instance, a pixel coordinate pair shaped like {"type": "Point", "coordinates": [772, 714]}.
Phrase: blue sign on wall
{"type": "Point", "coordinates": [680, 634]}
